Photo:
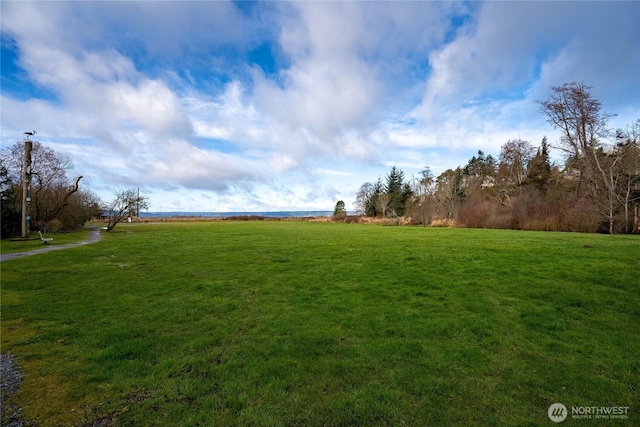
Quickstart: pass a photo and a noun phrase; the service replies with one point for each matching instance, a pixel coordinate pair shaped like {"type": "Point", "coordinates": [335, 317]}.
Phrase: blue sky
{"type": "Point", "coordinates": [260, 106]}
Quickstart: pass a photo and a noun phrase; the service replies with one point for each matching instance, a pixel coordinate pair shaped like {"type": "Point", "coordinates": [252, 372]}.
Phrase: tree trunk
{"type": "Point", "coordinates": [610, 216]}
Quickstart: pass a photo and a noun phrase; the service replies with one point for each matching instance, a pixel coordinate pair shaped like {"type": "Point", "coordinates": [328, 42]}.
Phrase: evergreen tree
{"type": "Point", "coordinates": [372, 205]}
{"type": "Point", "coordinates": [539, 168]}
{"type": "Point", "coordinates": [10, 220]}
{"type": "Point", "coordinates": [399, 192]}
{"type": "Point", "coordinates": [479, 173]}
{"type": "Point", "coordinates": [407, 196]}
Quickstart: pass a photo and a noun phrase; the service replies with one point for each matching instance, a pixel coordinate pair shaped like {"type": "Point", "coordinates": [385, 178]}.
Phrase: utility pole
{"type": "Point", "coordinates": [26, 184]}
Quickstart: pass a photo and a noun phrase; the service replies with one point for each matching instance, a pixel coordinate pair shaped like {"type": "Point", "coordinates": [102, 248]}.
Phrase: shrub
{"type": "Point", "coordinates": [339, 216]}
{"type": "Point", "coordinates": [581, 215]}
{"type": "Point", "coordinates": [444, 222]}
{"type": "Point", "coordinates": [353, 219]}
{"type": "Point", "coordinates": [475, 214]}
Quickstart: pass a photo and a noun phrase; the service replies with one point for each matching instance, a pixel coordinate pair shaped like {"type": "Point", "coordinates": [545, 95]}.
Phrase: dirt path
{"type": "Point", "coordinates": [94, 236]}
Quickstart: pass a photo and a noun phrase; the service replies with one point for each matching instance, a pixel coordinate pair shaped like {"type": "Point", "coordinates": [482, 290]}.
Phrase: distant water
{"type": "Point", "coordinates": [280, 214]}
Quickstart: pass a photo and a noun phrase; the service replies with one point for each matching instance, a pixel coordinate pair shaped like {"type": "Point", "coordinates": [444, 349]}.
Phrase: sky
{"type": "Point", "coordinates": [274, 106]}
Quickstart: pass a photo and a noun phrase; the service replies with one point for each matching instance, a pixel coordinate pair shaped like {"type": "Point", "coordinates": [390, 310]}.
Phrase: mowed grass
{"type": "Point", "coordinates": [305, 324]}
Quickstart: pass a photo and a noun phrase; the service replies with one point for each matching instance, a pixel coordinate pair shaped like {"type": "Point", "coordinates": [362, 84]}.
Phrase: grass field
{"type": "Point", "coordinates": [284, 323]}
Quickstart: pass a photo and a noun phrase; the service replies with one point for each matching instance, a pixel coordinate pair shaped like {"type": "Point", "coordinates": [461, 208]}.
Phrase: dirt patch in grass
{"type": "Point", "coordinates": [11, 376]}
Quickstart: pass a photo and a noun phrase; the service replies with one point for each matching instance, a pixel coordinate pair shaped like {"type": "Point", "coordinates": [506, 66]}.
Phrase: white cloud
{"type": "Point", "coordinates": [164, 95]}
{"type": "Point", "coordinates": [229, 116]}
{"type": "Point", "coordinates": [179, 163]}
{"type": "Point", "coordinates": [343, 57]}
{"type": "Point", "coordinates": [485, 82]}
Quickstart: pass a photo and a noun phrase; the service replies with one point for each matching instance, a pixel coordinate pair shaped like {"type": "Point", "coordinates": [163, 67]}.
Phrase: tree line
{"type": "Point", "coordinates": [597, 189]}
{"type": "Point", "coordinates": [57, 202]}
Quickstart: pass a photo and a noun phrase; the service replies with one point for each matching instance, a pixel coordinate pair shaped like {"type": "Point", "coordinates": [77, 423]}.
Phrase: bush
{"type": "Point", "coordinates": [53, 226]}
{"type": "Point", "coordinates": [339, 216]}
{"type": "Point", "coordinates": [581, 215]}
{"type": "Point", "coordinates": [531, 211]}
{"type": "Point", "coordinates": [444, 222]}
{"type": "Point", "coordinates": [353, 219]}
{"type": "Point", "coordinates": [475, 214]}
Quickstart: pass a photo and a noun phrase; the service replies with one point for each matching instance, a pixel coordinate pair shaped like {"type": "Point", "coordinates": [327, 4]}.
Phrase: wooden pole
{"type": "Point", "coordinates": [26, 185]}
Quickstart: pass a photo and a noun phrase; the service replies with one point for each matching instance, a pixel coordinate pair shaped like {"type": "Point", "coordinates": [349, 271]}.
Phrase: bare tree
{"type": "Point", "coordinates": [629, 144]}
{"type": "Point", "coordinates": [126, 203]}
{"type": "Point", "coordinates": [382, 203]}
{"type": "Point", "coordinates": [424, 188]}
{"type": "Point", "coordinates": [367, 197]}
{"type": "Point", "coordinates": [573, 110]}
{"type": "Point", "coordinates": [50, 188]}
{"type": "Point", "coordinates": [51, 201]}
{"type": "Point", "coordinates": [47, 165]}
{"type": "Point", "coordinates": [363, 198]}
{"type": "Point", "coordinates": [609, 171]}
{"type": "Point", "coordinates": [80, 207]}
{"type": "Point", "coordinates": [515, 155]}
{"type": "Point", "coordinates": [450, 192]}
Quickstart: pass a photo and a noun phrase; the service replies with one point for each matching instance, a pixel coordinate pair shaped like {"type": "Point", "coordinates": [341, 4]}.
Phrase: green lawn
{"type": "Point", "coordinates": [291, 323]}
